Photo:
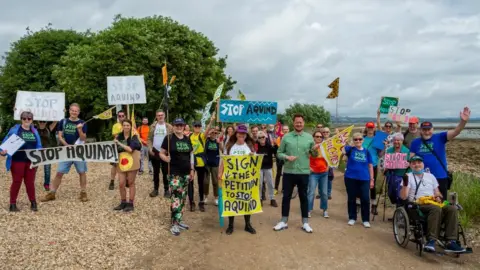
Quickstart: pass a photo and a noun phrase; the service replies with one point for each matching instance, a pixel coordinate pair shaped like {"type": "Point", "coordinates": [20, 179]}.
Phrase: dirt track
{"type": "Point", "coordinates": [67, 234]}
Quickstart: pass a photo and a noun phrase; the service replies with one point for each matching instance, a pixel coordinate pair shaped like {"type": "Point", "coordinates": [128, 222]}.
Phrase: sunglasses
{"type": "Point", "coordinates": [27, 118]}
{"type": "Point", "coordinates": [261, 137]}
{"type": "Point", "coordinates": [320, 137]}
{"type": "Point", "coordinates": [42, 122]}
{"type": "Point", "coordinates": [121, 116]}
{"type": "Point", "coordinates": [325, 131]}
{"type": "Point", "coordinates": [197, 126]}
{"type": "Point", "coordinates": [358, 139]}
{"type": "Point", "coordinates": [388, 126]}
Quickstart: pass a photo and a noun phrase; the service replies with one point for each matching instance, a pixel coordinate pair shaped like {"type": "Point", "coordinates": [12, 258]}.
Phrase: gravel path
{"type": "Point", "coordinates": [68, 234]}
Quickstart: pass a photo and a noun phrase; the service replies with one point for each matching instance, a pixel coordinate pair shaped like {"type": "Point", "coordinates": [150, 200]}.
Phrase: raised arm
{"type": "Point", "coordinates": [379, 124]}
{"type": "Point", "coordinates": [464, 116]}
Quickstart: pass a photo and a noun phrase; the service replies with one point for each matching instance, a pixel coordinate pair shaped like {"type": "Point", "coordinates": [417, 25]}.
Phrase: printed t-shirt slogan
{"type": "Point", "coordinates": [252, 112]}
{"type": "Point", "coordinates": [241, 185]}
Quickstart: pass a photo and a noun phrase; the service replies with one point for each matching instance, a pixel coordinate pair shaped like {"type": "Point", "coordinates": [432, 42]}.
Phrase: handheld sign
{"type": "Point", "coordinates": [12, 144]}
{"type": "Point", "coordinates": [331, 149]}
{"type": "Point", "coordinates": [252, 112]}
{"type": "Point", "coordinates": [378, 140]}
{"type": "Point", "coordinates": [396, 161]}
{"type": "Point", "coordinates": [126, 90]}
{"type": "Point", "coordinates": [241, 185]}
{"type": "Point", "coordinates": [399, 114]}
{"type": "Point", "coordinates": [386, 102]}
{"type": "Point", "coordinates": [45, 106]}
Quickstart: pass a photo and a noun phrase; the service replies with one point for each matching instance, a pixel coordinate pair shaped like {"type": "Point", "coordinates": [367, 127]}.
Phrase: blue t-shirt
{"type": "Point", "coordinates": [357, 163]}
{"type": "Point", "coordinates": [368, 144]}
{"type": "Point", "coordinates": [438, 143]}
{"type": "Point", "coordinates": [70, 134]}
{"type": "Point", "coordinates": [30, 143]}
{"type": "Point", "coordinates": [213, 153]}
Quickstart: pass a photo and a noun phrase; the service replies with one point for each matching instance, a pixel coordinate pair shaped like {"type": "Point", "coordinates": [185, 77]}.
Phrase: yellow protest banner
{"type": "Point", "coordinates": [331, 148]}
{"type": "Point", "coordinates": [241, 185]}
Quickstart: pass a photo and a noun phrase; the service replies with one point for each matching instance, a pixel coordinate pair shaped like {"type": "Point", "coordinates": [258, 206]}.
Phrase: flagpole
{"type": "Point", "coordinates": [336, 108]}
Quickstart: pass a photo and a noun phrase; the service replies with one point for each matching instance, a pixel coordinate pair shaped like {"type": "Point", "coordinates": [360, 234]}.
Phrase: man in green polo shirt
{"type": "Point", "coordinates": [295, 150]}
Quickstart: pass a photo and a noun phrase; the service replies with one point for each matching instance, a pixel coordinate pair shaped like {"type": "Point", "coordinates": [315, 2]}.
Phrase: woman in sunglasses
{"type": "Point", "coordinates": [318, 176]}
{"type": "Point", "coordinates": [266, 174]}
{"type": "Point", "coordinates": [358, 179]}
{"type": "Point", "coordinates": [368, 137]}
{"type": "Point", "coordinates": [19, 163]}
{"type": "Point", "coordinates": [47, 135]}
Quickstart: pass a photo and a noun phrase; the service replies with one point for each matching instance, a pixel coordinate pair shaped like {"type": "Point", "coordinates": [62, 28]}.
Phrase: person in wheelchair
{"type": "Point", "coordinates": [418, 184]}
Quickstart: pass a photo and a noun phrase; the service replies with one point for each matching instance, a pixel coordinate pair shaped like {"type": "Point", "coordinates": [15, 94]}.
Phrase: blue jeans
{"type": "Point", "coordinates": [320, 179]}
{"type": "Point", "coordinates": [358, 188]}
{"type": "Point", "coordinates": [47, 169]}
{"type": "Point", "coordinates": [64, 167]}
{"type": "Point", "coordinates": [330, 179]}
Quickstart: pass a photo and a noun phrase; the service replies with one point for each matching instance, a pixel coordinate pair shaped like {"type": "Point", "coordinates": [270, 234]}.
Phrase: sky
{"type": "Point", "coordinates": [427, 53]}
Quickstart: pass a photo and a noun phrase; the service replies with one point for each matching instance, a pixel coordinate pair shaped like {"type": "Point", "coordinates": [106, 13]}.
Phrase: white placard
{"type": "Point", "coordinates": [45, 106]}
{"type": "Point", "coordinates": [12, 144]}
{"type": "Point", "coordinates": [126, 90]}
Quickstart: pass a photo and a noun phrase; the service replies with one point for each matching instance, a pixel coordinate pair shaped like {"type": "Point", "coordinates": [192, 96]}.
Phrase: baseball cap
{"type": "Point", "coordinates": [413, 120]}
{"type": "Point", "coordinates": [416, 158]}
{"type": "Point", "coordinates": [370, 125]}
{"type": "Point", "coordinates": [242, 129]}
{"type": "Point", "coordinates": [197, 124]}
{"type": "Point", "coordinates": [178, 121]}
{"type": "Point", "coordinates": [426, 125]}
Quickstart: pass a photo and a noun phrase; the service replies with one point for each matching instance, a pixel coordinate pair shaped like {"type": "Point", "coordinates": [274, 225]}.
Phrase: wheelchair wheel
{"type": "Point", "coordinates": [401, 227]}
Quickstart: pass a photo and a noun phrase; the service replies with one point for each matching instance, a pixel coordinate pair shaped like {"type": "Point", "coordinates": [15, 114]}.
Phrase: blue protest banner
{"type": "Point", "coordinates": [220, 207]}
{"type": "Point", "coordinates": [252, 112]}
{"type": "Point", "coordinates": [378, 140]}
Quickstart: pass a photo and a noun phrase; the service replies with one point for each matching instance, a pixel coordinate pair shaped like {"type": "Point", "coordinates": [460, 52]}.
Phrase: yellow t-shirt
{"type": "Point", "coordinates": [117, 128]}
{"type": "Point", "coordinates": [199, 147]}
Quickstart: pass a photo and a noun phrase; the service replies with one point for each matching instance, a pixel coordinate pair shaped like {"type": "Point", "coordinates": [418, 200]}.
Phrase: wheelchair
{"type": "Point", "coordinates": [409, 225]}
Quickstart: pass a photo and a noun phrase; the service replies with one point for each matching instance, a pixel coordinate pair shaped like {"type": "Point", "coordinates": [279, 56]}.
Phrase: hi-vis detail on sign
{"type": "Point", "coordinates": [252, 112]}
{"type": "Point", "coordinates": [90, 152]}
{"type": "Point", "coordinates": [126, 90]}
{"type": "Point", "coordinates": [241, 185]}
{"type": "Point", "coordinates": [45, 106]}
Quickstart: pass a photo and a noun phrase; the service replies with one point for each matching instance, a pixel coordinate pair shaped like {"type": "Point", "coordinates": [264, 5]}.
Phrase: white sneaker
{"type": "Point", "coordinates": [175, 230]}
{"type": "Point", "coordinates": [205, 200]}
{"type": "Point", "coordinates": [351, 222]}
{"type": "Point", "coordinates": [307, 228]}
{"type": "Point", "coordinates": [216, 202]}
{"type": "Point", "coordinates": [366, 224]}
{"type": "Point", "coordinates": [280, 226]}
{"type": "Point", "coordinates": [325, 214]}
{"type": "Point", "coordinates": [309, 214]}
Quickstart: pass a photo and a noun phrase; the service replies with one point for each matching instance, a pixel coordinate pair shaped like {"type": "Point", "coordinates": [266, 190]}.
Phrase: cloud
{"type": "Point", "coordinates": [424, 52]}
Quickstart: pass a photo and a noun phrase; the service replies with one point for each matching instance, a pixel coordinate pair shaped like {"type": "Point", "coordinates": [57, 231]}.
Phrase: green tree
{"type": "Point", "coordinates": [313, 114]}
{"type": "Point", "coordinates": [134, 46]}
{"type": "Point", "coordinates": [29, 65]}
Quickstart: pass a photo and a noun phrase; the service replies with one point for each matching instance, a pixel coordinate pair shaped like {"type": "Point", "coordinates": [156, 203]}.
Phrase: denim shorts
{"type": "Point", "coordinates": [64, 167]}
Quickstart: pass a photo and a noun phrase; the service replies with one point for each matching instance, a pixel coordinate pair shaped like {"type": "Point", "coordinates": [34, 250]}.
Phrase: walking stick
{"type": "Point", "coordinates": [378, 199]}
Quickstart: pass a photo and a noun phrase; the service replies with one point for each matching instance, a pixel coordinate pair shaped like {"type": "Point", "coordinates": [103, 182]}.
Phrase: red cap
{"type": "Point", "coordinates": [370, 125]}
{"type": "Point", "coordinates": [413, 120]}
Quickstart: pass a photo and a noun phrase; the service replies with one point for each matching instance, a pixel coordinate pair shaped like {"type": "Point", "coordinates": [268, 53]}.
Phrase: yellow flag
{"type": "Point", "coordinates": [241, 96]}
{"type": "Point", "coordinates": [134, 125]}
{"type": "Point", "coordinates": [335, 85]}
{"type": "Point", "coordinates": [331, 149]}
{"type": "Point", "coordinates": [172, 79]}
{"type": "Point", "coordinates": [165, 74]}
{"type": "Point", "coordinates": [105, 115]}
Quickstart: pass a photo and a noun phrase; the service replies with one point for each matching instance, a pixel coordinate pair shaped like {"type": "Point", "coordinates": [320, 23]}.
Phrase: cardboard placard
{"type": "Point", "coordinates": [45, 106]}
{"type": "Point", "coordinates": [400, 114]}
{"type": "Point", "coordinates": [128, 162]}
{"type": "Point", "coordinates": [396, 161]}
{"type": "Point", "coordinates": [386, 102]}
{"type": "Point", "coordinates": [126, 90]}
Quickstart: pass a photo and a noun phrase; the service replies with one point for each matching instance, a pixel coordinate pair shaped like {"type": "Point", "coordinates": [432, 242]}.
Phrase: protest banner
{"type": "Point", "coordinates": [386, 102]}
{"type": "Point", "coordinates": [90, 152]}
{"type": "Point", "coordinates": [252, 112]}
{"type": "Point", "coordinates": [241, 185]}
{"type": "Point", "coordinates": [331, 149]}
{"type": "Point", "coordinates": [396, 161]}
{"type": "Point", "coordinates": [126, 90]}
{"type": "Point", "coordinates": [399, 114]}
{"type": "Point", "coordinates": [45, 106]}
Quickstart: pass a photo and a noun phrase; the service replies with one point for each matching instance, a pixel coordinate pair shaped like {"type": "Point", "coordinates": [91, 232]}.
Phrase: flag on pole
{"type": "Point", "coordinates": [105, 115]}
{"type": "Point", "coordinates": [335, 85]}
{"type": "Point", "coordinates": [134, 125]}
{"type": "Point", "coordinates": [165, 74]}
{"type": "Point", "coordinates": [172, 79]}
{"type": "Point", "coordinates": [241, 96]}
{"type": "Point", "coordinates": [218, 92]}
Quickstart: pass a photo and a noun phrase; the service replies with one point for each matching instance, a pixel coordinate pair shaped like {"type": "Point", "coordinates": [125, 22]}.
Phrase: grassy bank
{"type": "Point", "coordinates": [467, 187]}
